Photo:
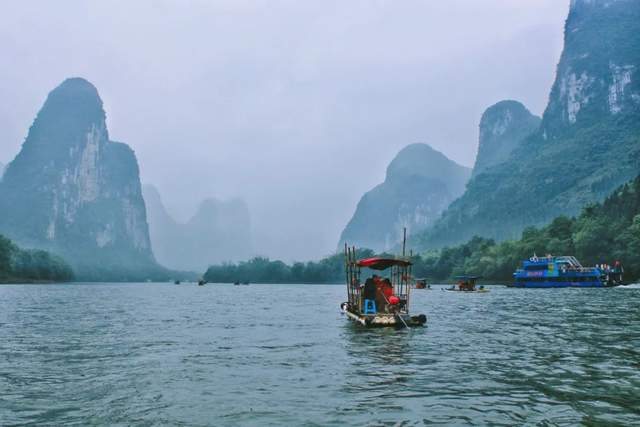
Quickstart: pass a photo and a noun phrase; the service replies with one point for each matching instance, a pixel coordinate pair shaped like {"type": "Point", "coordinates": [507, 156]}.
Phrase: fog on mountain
{"type": "Point", "coordinates": [585, 147]}
{"type": "Point", "coordinates": [73, 191]}
{"type": "Point", "coordinates": [219, 231]}
{"type": "Point", "coordinates": [420, 183]}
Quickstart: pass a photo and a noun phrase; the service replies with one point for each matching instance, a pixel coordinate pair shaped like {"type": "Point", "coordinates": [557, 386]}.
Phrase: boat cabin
{"type": "Point", "coordinates": [565, 271]}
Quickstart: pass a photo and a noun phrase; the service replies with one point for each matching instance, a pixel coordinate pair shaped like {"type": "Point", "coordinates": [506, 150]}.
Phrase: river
{"type": "Point", "coordinates": [161, 354]}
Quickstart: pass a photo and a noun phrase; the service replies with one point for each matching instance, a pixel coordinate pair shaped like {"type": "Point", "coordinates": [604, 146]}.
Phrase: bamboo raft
{"type": "Point", "coordinates": [393, 310]}
{"type": "Point", "coordinates": [385, 319]}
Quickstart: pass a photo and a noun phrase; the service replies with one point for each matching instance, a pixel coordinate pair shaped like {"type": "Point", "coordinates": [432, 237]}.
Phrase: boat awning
{"type": "Point", "coordinates": [381, 263]}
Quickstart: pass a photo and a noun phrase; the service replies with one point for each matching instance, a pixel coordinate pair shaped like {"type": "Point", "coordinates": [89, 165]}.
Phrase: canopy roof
{"type": "Point", "coordinates": [381, 263]}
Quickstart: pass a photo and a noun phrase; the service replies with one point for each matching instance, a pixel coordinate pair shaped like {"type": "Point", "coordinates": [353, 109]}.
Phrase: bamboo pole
{"type": "Point", "coordinates": [404, 240]}
{"type": "Point", "coordinates": [346, 271]}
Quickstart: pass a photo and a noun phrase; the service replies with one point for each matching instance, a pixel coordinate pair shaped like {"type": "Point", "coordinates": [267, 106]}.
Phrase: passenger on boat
{"type": "Point", "coordinates": [387, 291]}
{"type": "Point", "coordinates": [381, 295]}
{"type": "Point", "coordinates": [380, 302]}
{"type": "Point", "coordinates": [387, 288]}
{"type": "Point", "coordinates": [377, 280]}
{"type": "Point", "coordinates": [369, 291]}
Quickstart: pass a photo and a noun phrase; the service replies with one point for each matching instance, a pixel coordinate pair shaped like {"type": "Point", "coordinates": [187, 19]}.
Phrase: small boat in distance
{"type": "Point", "coordinates": [422, 284]}
{"type": "Point", "coordinates": [467, 284]}
{"type": "Point", "coordinates": [564, 272]}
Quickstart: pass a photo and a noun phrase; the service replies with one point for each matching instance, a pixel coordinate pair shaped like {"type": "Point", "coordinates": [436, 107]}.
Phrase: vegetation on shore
{"type": "Point", "coordinates": [263, 270]}
{"type": "Point", "coordinates": [602, 233]}
{"type": "Point", "coordinates": [27, 266]}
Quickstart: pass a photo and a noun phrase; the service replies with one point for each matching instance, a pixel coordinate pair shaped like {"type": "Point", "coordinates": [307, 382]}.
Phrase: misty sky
{"type": "Point", "coordinates": [295, 106]}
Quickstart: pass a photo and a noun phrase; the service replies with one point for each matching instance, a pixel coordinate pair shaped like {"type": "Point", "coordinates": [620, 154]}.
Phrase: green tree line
{"type": "Point", "coordinates": [19, 265]}
{"type": "Point", "coordinates": [263, 270]}
{"type": "Point", "coordinates": [603, 233]}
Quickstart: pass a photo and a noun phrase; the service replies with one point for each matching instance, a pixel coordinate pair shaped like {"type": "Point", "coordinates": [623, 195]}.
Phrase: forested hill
{"type": "Point", "coordinates": [602, 233]}
{"type": "Point", "coordinates": [264, 270]}
{"type": "Point", "coordinates": [26, 266]}
{"type": "Point", "coordinates": [588, 142]}
{"type": "Point", "coordinates": [503, 127]}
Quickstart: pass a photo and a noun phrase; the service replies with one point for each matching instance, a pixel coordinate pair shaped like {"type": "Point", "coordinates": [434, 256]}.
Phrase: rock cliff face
{"type": "Point", "coordinates": [74, 192]}
{"type": "Point", "coordinates": [588, 142]}
{"type": "Point", "coordinates": [503, 127]}
{"type": "Point", "coordinates": [420, 183]}
{"type": "Point", "coordinates": [598, 74]}
{"type": "Point", "coordinates": [220, 231]}
{"type": "Point", "coordinates": [2, 166]}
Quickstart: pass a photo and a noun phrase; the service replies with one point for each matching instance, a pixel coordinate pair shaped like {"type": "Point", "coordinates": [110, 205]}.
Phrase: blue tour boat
{"type": "Point", "coordinates": [565, 271]}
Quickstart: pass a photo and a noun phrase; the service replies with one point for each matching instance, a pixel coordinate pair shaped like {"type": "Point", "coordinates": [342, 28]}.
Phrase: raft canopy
{"type": "Point", "coordinates": [382, 263]}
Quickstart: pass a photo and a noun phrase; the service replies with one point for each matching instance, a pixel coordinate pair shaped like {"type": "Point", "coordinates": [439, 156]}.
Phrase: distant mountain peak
{"type": "Point", "coordinates": [587, 143]}
{"type": "Point", "coordinates": [219, 231]}
{"type": "Point", "coordinates": [78, 84]}
{"type": "Point", "coordinates": [503, 127]}
{"type": "Point", "coordinates": [73, 94]}
{"type": "Point", "coordinates": [420, 184]}
{"type": "Point", "coordinates": [419, 159]}
{"type": "Point", "coordinates": [73, 191]}
{"type": "Point", "coordinates": [598, 73]}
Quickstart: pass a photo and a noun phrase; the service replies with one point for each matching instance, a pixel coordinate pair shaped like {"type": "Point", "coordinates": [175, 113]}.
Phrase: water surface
{"type": "Point", "coordinates": [152, 354]}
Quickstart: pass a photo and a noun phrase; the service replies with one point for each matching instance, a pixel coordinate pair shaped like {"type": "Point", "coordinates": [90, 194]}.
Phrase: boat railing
{"type": "Point", "coordinates": [580, 269]}
{"type": "Point", "coordinates": [571, 260]}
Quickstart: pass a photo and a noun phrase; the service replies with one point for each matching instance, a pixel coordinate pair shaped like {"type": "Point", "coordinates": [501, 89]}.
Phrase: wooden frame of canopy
{"type": "Point", "coordinates": [400, 277]}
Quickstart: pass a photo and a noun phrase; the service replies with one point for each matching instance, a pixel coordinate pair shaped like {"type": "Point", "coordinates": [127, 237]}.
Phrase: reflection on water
{"type": "Point", "coordinates": [271, 355]}
{"type": "Point", "coordinates": [379, 359]}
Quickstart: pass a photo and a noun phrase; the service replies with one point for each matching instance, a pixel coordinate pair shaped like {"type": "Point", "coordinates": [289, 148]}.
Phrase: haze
{"type": "Point", "coordinates": [296, 107]}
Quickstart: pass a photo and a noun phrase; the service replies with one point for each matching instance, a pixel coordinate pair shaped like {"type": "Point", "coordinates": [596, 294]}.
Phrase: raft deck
{"type": "Point", "coordinates": [387, 319]}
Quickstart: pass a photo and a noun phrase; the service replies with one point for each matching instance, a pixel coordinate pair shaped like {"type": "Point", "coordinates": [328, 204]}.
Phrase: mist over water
{"type": "Point", "coordinates": [295, 107]}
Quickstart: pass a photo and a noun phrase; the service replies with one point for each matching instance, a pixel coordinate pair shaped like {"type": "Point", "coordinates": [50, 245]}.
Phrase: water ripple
{"type": "Point", "coordinates": [273, 355]}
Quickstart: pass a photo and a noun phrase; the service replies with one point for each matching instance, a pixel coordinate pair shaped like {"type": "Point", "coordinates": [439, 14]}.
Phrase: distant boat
{"type": "Point", "coordinates": [201, 282]}
{"type": "Point", "coordinates": [236, 283]}
{"type": "Point", "coordinates": [467, 284]}
{"type": "Point", "coordinates": [176, 282]}
{"type": "Point", "coordinates": [422, 284]}
{"type": "Point", "coordinates": [565, 272]}
{"type": "Point", "coordinates": [245, 283]}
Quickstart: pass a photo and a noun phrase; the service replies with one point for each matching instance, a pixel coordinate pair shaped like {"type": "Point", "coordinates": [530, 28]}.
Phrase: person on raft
{"type": "Point", "coordinates": [380, 291]}
{"type": "Point", "coordinates": [384, 290]}
{"type": "Point", "coordinates": [369, 290]}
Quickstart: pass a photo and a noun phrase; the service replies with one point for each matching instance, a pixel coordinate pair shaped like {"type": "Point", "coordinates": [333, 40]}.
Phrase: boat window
{"type": "Point", "coordinates": [536, 267]}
